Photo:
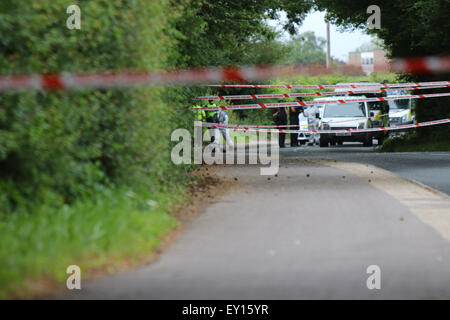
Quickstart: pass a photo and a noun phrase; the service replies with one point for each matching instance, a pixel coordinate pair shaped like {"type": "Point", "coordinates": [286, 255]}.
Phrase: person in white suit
{"type": "Point", "coordinates": [222, 118]}
{"type": "Point", "coordinates": [313, 122]}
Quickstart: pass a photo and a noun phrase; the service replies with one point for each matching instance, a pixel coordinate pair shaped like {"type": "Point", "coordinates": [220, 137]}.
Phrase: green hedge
{"type": "Point", "coordinates": [57, 146]}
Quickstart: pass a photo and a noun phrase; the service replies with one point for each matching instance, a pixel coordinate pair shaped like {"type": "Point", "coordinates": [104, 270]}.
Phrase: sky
{"type": "Point", "coordinates": [341, 42]}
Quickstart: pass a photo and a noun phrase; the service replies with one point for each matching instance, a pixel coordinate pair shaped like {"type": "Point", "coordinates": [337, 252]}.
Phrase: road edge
{"type": "Point", "coordinates": [430, 206]}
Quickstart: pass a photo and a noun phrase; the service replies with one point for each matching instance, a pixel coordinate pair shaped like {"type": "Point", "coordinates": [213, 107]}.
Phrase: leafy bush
{"type": "Point", "coordinates": [108, 226]}
{"type": "Point", "coordinates": [415, 141]}
{"type": "Point", "coordinates": [85, 177]}
{"type": "Point", "coordinates": [57, 146]}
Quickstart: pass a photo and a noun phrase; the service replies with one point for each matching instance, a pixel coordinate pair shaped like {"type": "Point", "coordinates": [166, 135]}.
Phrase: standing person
{"type": "Point", "coordinates": [312, 113]}
{"type": "Point", "coordinates": [280, 118]}
{"type": "Point", "coordinates": [294, 122]}
{"type": "Point", "coordinates": [200, 115]}
{"type": "Point", "coordinates": [222, 118]}
{"type": "Point", "coordinates": [211, 117]}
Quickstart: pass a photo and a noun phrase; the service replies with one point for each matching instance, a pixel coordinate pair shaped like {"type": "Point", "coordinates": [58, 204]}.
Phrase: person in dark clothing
{"type": "Point", "coordinates": [293, 120]}
{"type": "Point", "coordinates": [280, 118]}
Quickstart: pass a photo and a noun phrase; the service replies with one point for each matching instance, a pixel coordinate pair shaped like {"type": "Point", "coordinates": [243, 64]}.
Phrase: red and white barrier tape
{"type": "Point", "coordinates": [308, 103]}
{"type": "Point", "coordinates": [260, 126]}
{"type": "Point", "coordinates": [66, 81]}
{"type": "Point", "coordinates": [333, 86]}
{"type": "Point", "coordinates": [296, 125]}
{"type": "Point", "coordinates": [255, 126]}
{"type": "Point", "coordinates": [421, 65]}
{"type": "Point", "coordinates": [312, 94]}
{"type": "Point", "coordinates": [401, 127]}
{"type": "Point", "coordinates": [109, 80]}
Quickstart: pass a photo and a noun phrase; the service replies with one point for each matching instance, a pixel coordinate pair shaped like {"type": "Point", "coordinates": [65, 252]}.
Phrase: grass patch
{"type": "Point", "coordinates": [242, 136]}
{"type": "Point", "coordinates": [415, 143]}
{"type": "Point", "coordinates": [236, 136]}
{"type": "Point", "coordinates": [113, 225]}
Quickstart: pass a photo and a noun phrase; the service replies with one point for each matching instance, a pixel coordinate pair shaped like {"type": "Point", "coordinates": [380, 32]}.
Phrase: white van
{"type": "Point", "coordinates": [400, 111]}
{"type": "Point", "coordinates": [380, 109]}
{"type": "Point", "coordinates": [339, 116]}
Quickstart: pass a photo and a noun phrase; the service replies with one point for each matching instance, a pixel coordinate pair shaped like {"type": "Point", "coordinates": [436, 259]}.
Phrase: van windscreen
{"type": "Point", "coordinates": [400, 104]}
{"type": "Point", "coordinates": [337, 110]}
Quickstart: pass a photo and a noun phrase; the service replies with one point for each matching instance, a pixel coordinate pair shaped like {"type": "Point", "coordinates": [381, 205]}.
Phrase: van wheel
{"type": "Point", "coordinates": [323, 143]}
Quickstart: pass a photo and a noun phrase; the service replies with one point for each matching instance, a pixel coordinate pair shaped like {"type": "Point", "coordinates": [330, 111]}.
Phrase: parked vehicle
{"type": "Point", "coordinates": [351, 115]}
{"type": "Point", "coordinates": [400, 111]}
{"type": "Point", "coordinates": [380, 109]}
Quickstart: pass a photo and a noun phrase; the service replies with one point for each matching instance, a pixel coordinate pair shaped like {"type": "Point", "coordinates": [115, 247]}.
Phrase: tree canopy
{"type": "Point", "coordinates": [307, 48]}
{"type": "Point", "coordinates": [221, 32]}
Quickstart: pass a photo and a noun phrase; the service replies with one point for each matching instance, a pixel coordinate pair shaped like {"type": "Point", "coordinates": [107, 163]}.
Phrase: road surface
{"type": "Point", "coordinates": [429, 168]}
{"type": "Point", "coordinates": [309, 233]}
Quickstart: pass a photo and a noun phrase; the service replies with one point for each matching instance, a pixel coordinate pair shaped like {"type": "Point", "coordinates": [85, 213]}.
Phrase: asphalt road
{"type": "Point", "coordinates": [309, 233]}
{"type": "Point", "coordinates": [429, 168]}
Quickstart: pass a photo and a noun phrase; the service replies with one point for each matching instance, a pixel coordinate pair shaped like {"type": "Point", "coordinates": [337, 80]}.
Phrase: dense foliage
{"type": "Point", "coordinates": [306, 48]}
{"type": "Point", "coordinates": [59, 145]}
{"type": "Point", "coordinates": [223, 32]}
{"type": "Point", "coordinates": [84, 176]}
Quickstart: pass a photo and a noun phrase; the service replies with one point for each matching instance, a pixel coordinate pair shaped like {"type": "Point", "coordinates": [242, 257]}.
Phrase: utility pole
{"type": "Point", "coordinates": [328, 45]}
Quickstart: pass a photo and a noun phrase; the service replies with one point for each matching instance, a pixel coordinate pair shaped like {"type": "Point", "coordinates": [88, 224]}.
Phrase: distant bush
{"type": "Point", "coordinates": [415, 140]}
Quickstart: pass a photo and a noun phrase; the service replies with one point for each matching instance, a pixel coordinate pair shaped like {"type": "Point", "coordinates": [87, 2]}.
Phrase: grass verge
{"type": "Point", "coordinates": [236, 136]}
{"type": "Point", "coordinates": [415, 143]}
{"type": "Point", "coordinates": [111, 226]}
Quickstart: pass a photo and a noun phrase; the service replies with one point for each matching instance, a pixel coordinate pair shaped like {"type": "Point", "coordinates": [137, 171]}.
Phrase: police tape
{"type": "Point", "coordinates": [309, 103]}
{"type": "Point", "coordinates": [312, 94]}
{"type": "Point", "coordinates": [309, 125]}
{"type": "Point", "coordinates": [421, 65]}
{"type": "Point", "coordinates": [126, 79]}
{"type": "Point", "coordinates": [334, 86]}
{"type": "Point", "coordinates": [261, 126]}
{"type": "Point", "coordinates": [400, 127]}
